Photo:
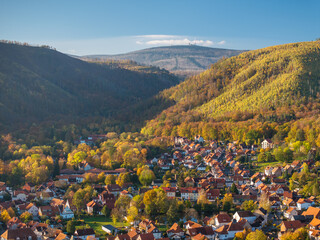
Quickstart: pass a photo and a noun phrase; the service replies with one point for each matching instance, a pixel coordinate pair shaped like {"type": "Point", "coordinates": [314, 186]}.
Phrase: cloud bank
{"type": "Point", "coordinates": [174, 40]}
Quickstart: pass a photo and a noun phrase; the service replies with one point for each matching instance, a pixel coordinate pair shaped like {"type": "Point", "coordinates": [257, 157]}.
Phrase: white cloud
{"type": "Point", "coordinates": [184, 41]}
{"type": "Point", "coordinates": [157, 40]}
{"type": "Point", "coordinates": [221, 42]}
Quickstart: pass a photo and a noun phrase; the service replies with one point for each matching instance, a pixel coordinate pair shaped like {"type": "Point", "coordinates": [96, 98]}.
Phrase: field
{"type": "Point", "coordinates": [98, 221]}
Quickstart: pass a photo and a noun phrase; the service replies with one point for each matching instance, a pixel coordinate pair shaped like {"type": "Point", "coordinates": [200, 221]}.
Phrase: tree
{"type": "Point", "coordinates": [315, 189]}
{"type": "Point", "coordinates": [71, 227]}
{"type": "Point", "coordinates": [172, 215]}
{"type": "Point", "coordinates": [81, 197]}
{"type": "Point", "coordinates": [26, 217]}
{"type": "Point", "coordinates": [227, 202]}
{"type": "Point", "coordinates": [234, 189]}
{"type": "Point", "coordinates": [299, 234]}
{"type": "Point", "coordinates": [76, 158]}
{"type": "Point", "coordinates": [249, 205]}
{"type": "Point", "coordinates": [105, 211]}
{"type": "Point", "coordinates": [305, 168]}
{"type": "Point", "coordinates": [123, 178]}
{"type": "Point", "coordinates": [146, 177]}
{"type": "Point", "coordinates": [202, 199]}
{"type": "Point", "coordinates": [110, 179]}
{"type": "Point", "coordinates": [4, 216]}
{"type": "Point", "coordinates": [264, 202]}
{"type": "Point", "coordinates": [256, 235]}
{"type": "Point", "coordinates": [133, 214]}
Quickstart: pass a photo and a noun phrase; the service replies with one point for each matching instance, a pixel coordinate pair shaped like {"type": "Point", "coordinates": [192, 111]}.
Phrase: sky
{"type": "Point", "coordinates": [111, 27]}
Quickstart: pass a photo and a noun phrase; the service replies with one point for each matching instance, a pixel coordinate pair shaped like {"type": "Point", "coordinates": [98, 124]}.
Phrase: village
{"type": "Point", "coordinates": [227, 195]}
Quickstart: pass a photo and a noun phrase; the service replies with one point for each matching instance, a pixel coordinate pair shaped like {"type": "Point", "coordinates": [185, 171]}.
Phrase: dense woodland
{"type": "Point", "coordinates": [264, 91]}
{"type": "Point", "coordinates": [38, 85]}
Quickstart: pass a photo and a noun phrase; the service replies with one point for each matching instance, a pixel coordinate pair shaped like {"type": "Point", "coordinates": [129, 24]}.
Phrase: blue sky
{"type": "Point", "coordinates": [110, 27]}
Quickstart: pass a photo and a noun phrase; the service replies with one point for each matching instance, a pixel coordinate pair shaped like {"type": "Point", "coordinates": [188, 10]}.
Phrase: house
{"type": "Point", "coordinates": [201, 167]}
{"type": "Point", "coordinates": [228, 231]}
{"type": "Point", "coordinates": [46, 196]}
{"type": "Point", "coordinates": [267, 143]}
{"type": "Point", "coordinates": [84, 233]}
{"type": "Point", "coordinates": [312, 212]}
{"type": "Point", "coordinates": [315, 224]}
{"type": "Point", "coordinates": [29, 187]}
{"type": "Point", "coordinates": [14, 223]}
{"type": "Point", "coordinates": [61, 236]}
{"type": "Point", "coordinates": [290, 213]}
{"type": "Point", "coordinates": [244, 215]}
{"type": "Point", "coordinates": [93, 207]}
{"type": "Point", "coordinates": [175, 231]}
{"type": "Point", "coordinates": [303, 204]}
{"type": "Point", "coordinates": [114, 189]}
{"type": "Point", "coordinates": [290, 226]}
{"type": "Point", "coordinates": [67, 213]}
{"type": "Point", "coordinates": [110, 229]}
{"type": "Point", "coordinates": [198, 139]}
{"type": "Point", "coordinates": [151, 228]}
{"type": "Point", "coordinates": [277, 172]}
{"type": "Point", "coordinates": [212, 194]}
{"type": "Point", "coordinates": [289, 203]}
{"type": "Point", "coordinates": [145, 236]}
{"type": "Point", "coordinates": [191, 224]}
{"type": "Point", "coordinates": [222, 219]}
{"type": "Point", "coordinates": [33, 209]}
{"type": "Point", "coordinates": [49, 211]}
{"type": "Point", "coordinates": [261, 212]}
{"type": "Point", "coordinates": [107, 199]}
{"type": "Point", "coordinates": [208, 232]}
{"type": "Point", "coordinates": [268, 171]}
{"type": "Point", "coordinates": [20, 195]}
{"type": "Point", "coordinates": [19, 234]}
{"type": "Point", "coordinates": [171, 191]}
{"type": "Point", "coordinates": [189, 193]}
{"type": "Point", "coordinates": [121, 237]}
{"type": "Point", "coordinates": [143, 225]}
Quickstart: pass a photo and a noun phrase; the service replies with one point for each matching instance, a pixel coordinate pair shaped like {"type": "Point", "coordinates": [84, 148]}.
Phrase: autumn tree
{"type": "Point", "coordinates": [249, 205]}
{"type": "Point", "coordinates": [4, 216]}
{"type": "Point", "coordinates": [227, 202]}
{"type": "Point", "coordinates": [26, 217]}
{"type": "Point", "coordinates": [110, 179]}
{"type": "Point", "coordinates": [123, 178]}
{"type": "Point", "coordinates": [258, 234]}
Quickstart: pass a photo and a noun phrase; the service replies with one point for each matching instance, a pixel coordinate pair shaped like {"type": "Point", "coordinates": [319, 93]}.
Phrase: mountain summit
{"type": "Point", "coordinates": [181, 60]}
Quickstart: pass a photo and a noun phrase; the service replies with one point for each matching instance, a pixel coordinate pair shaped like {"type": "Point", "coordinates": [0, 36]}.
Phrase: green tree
{"type": "Point", "coordinates": [71, 227]}
{"type": "Point", "coordinates": [26, 217]}
{"type": "Point", "coordinates": [234, 189]}
{"type": "Point", "coordinates": [146, 177]}
{"type": "Point", "coordinates": [105, 211]}
{"type": "Point", "coordinates": [249, 205]}
{"type": "Point", "coordinates": [172, 215]}
{"type": "Point", "coordinates": [123, 178]}
{"type": "Point", "coordinates": [110, 179]}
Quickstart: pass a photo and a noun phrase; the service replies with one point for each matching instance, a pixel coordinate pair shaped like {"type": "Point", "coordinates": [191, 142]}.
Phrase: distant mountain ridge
{"type": "Point", "coordinates": [183, 60]}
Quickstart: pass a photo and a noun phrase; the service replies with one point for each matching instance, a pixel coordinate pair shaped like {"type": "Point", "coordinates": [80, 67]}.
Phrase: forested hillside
{"type": "Point", "coordinates": [262, 90]}
{"type": "Point", "coordinates": [39, 84]}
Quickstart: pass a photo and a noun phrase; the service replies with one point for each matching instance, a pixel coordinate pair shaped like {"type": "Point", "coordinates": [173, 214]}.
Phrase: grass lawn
{"type": "Point", "coordinates": [98, 221]}
{"type": "Point", "coordinates": [260, 166]}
